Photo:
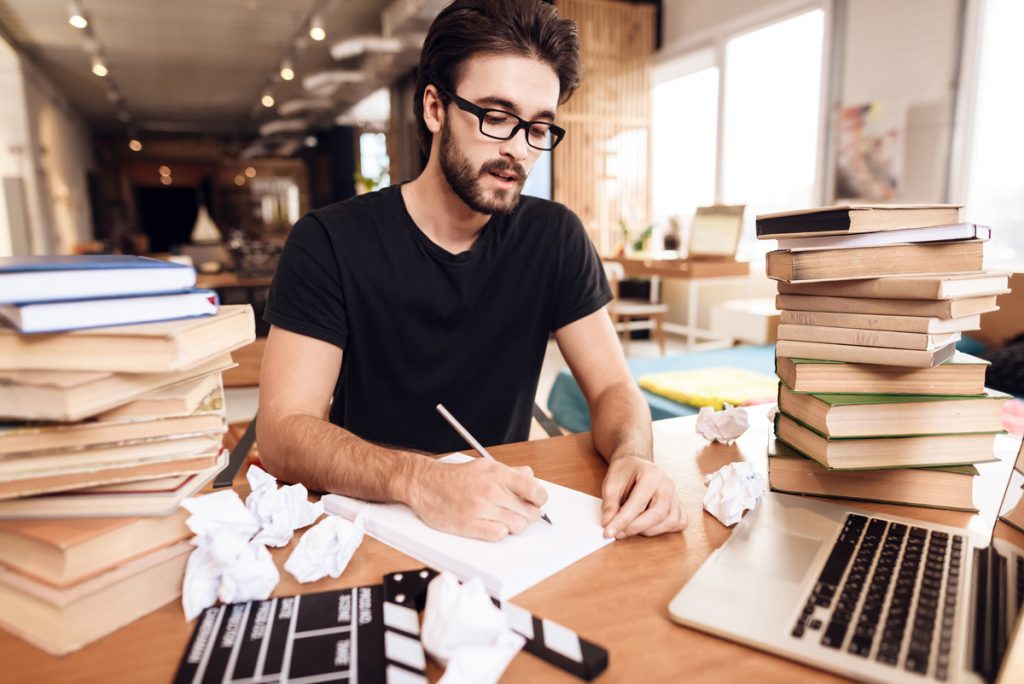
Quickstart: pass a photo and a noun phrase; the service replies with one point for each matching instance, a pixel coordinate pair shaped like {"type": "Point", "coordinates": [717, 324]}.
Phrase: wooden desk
{"type": "Point", "coordinates": [699, 273]}
{"type": "Point", "coordinates": [616, 597]}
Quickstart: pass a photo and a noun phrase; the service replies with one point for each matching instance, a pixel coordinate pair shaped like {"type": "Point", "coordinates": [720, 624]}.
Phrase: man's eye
{"type": "Point", "coordinates": [497, 119]}
{"type": "Point", "coordinates": [539, 132]}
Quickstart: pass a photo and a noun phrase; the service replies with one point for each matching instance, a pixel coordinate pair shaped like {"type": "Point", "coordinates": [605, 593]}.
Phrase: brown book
{"type": "Point", "coordinates": [950, 487]}
{"type": "Point", "coordinates": [866, 337]}
{"type": "Point", "coordinates": [943, 308]}
{"type": "Point", "coordinates": [60, 621]}
{"type": "Point", "coordinates": [74, 395]}
{"type": "Point", "coordinates": [65, 552]}
{"type": "Point", "coordinates": [875, 415]}
{"type": "Point", "coordinates": [163, 347]}
{"type": "Point", "coordinates": [961, 375]}
{"type": "Point", "coordinates": [910, 324]}
{"type": "Point", "coordinates": [127, 472]}
{"type": "Point", "coordinates": [872, 262]}
{"type": "Point", "coordinates": [854, 218]}
{"type": "Point", "coordinates": [911, 358]}
{"type": "Point", "coordinates": [14, 467]}
{"type": "Point", "coordinates": [905, 451]}
{"type": "Point", "coordinates": [903, 287]}
{"type": "Point", "coordinates": [45, 438]}
{"type": "Point", "coordinates": [179, 399]}
{"type": "Point", "coordinates": [156, 497]}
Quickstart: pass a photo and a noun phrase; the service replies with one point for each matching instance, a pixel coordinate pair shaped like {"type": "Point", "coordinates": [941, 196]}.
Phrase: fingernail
{"type": "Point", "coordinates": [610, 533]}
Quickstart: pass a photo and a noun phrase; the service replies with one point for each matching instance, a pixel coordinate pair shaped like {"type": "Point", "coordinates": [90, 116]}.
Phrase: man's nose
{"type": "Point", "coordinates": [516, 147]}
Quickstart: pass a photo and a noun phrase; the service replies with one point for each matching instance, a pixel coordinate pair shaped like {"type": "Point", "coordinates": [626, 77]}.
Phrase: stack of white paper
{"type": "Point", "coordinates": [507, 567]}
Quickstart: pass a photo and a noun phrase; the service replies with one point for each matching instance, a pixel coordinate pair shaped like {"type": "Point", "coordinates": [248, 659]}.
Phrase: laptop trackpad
{"type": "Point", "coordinates": [767, 551]}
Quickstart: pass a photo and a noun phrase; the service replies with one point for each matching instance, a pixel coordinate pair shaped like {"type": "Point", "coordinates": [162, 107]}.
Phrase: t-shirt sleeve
{"type": "Point", "coordinates": [306, 294]}
{"type": "Point", "coordinates": [582, 285]}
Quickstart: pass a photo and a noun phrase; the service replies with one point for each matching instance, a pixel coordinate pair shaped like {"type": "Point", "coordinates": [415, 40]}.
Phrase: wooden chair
{"type": "Point", "coordinates": [624, 310]}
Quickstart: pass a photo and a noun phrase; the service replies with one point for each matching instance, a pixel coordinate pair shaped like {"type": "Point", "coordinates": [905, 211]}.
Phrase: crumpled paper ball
{"type": "Point", "coordinates": [723, 426]}
{"type": "Point", "coordinates": [325, 549]}
{"type": "Point", "coordinates": [466, 632]}
{"type": "Point", "coordinates": [279, 511]}
{"type": "Point", "coordinates": [229, 567]}
{"type": "Point", "coordinates": [732, 490]}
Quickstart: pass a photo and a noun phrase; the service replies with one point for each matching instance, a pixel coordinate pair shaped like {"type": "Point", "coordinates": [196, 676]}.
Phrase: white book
{"type": "Point", "coordinates": [954, 231]}
{"type": "Point", "coordinates": [507, 567]}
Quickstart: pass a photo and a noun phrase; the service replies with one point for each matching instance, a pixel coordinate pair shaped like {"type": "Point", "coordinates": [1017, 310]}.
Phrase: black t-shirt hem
{"type": "Point", "coordinates": [589, 307]}
{"type": "Point", "coordinates": [304, 328]}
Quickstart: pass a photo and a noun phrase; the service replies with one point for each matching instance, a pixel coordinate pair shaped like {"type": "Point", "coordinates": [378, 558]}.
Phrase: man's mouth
{"type": "Point", "coordinates": [506, 176]}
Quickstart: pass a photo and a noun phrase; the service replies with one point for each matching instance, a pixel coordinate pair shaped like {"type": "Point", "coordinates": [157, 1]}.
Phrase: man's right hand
{"type": "Point", "coordinates": [483, 499]}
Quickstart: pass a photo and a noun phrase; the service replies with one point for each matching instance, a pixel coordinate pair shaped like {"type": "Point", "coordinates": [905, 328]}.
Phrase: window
{"type": "Point", "coordinates": [995, 178]}
{"type": "Point", "coordinates": [772, 94]}
{"type": "Point", "coordinates": [685, 130]}
{"type": "Point", "coordinates": [374, 164]}
{"type": "Point", "coordinates": [761, 148]}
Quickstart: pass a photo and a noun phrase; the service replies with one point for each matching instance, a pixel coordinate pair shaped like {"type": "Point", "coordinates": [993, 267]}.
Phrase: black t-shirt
{"type": "Point", "coordinates": [421, 326]}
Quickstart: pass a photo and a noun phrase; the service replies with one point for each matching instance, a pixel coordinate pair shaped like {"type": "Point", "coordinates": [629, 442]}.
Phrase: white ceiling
{"type": "Point", "coordinates": [202, 65]}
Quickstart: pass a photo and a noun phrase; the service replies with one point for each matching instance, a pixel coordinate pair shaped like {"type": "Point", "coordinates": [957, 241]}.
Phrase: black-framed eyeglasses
{"type": "Point", "coordinates": [502, 125]}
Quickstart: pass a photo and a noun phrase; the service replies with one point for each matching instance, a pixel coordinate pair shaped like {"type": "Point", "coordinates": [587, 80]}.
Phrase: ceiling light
{"type": "Point", "coordinates": [287, 72]}
{"type": "Point", "coordinates": [267, 100]}
{"type": "Point", "coordinates": [98, 67]}
{"type": "Point", "coordinates": [250, 171]}
{"type": "Point", "coordinates": [239, 180]}
{"type": "Point", "coordinates": [166, 180]}
{"type": "Point", "coordinates": [309, 141]}
{"type": "Point", "coordinates": [165, 171]}
{"type": "Point", "coordinates": [316, 28]}
{"type": "Point", "coordinates": [135, 145]}
{"type": "Point", "coordinates": [124, 116]}
{"type": "Point", "coordinates": [76, 16]}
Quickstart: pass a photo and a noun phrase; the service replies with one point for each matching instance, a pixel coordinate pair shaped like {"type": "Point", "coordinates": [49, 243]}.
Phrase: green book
{"type": "Point", "coordinates": [947, 487]}
{"type": "Point", "coordinates": [896, 451]}
{"type": "Point", "coordinates": [961, 375]}
{"type": "Point", "coordinates": [892, 415]}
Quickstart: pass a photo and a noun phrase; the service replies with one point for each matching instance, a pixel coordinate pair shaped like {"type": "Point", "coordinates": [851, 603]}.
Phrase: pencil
{"type": "Point", "coordinates": [477, 446]}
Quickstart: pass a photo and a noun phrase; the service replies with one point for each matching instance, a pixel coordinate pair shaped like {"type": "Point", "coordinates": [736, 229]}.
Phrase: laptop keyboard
{"type": "Point", "coordinates": [888, 592]}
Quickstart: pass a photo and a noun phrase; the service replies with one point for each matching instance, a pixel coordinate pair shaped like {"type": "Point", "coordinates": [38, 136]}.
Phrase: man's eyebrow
{"type": "Point", "coordinates": [509, 106]}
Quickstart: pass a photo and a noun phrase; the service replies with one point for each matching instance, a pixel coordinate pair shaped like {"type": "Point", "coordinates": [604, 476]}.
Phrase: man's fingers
{"type": "Point", "coordinates": [675, 521]}
{"type": "Point", "coordinates": [639, 498]}
{"type": "Point", "coordinates": [658, 509]}
{"type": "Point", "coordinates": [525, 486]}
{"type": "Point", "coordinates": [488, 530]}
{"type": "Point", "coordinates": [613, 492]}
{"type": "Point", "coordinates": [511, 520]}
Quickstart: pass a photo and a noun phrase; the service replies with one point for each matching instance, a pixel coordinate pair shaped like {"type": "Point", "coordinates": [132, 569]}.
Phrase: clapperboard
{"type": "Point", "coordinates": [365, 634]}
{"type": "Point", "coordinates": [549, 641]}
{"type": "Point", "coordinates": [351, 635]}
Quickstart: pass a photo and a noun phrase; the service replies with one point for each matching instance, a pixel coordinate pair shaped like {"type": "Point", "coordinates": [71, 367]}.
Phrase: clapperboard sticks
{"type": "Point", "coordinates": [549, 641]}
{"type": "Point", "coordinates": [362, 634]}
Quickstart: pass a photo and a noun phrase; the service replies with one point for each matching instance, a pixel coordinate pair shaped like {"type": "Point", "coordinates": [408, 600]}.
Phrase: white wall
{"type": "Point", "coordinates": [45, 144]}
{"type": "Point", "coordinates": [688, 24]}
{"type": "Point", "coordinates": [902, 56]}
{"type": "Point", "coordinates": [63, 156]}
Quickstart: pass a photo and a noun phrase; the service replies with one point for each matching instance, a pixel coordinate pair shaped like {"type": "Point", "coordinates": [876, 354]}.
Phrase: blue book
{"type": "Point", "coordinates": [81, 314]}
{"type": "Point", "coordinates": [62, 278]}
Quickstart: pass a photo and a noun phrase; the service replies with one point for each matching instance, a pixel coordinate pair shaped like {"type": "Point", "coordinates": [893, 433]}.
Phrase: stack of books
{"type": "Point", "coordinates": [875, 402]}
{"type": "Point", "coordinates": [111, 413]}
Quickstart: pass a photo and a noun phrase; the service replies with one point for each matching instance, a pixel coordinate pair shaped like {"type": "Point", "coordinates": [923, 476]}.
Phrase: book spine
{"type": "Point", "coordinates": [854, 336]}
{"type": "Point", "coordinates": [855, 354]}
{"type": "Point", "coordinates": [891, 307]}
{"type": "Point", "coordinates": [904, 324]}
{"type": "Point", "coordinates": [880, 288]}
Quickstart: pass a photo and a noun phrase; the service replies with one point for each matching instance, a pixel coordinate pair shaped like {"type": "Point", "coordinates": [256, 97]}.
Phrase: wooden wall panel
{"type": "Point", "coordinates": [602, 169]}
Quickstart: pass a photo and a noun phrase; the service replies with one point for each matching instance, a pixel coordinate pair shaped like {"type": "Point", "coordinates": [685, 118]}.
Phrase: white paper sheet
{"type": "Point", "coordinates": [507, 567]}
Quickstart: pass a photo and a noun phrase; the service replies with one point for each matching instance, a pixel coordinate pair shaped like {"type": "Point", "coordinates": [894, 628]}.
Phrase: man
{"type": "Point", "coordinates": [444, 290]}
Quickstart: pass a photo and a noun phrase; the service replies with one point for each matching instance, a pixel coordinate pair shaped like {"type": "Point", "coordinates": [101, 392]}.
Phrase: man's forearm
{"type": "Point", "coordinates": [620, 423]}
{"type": "Point", "coordinates": [325, 457]}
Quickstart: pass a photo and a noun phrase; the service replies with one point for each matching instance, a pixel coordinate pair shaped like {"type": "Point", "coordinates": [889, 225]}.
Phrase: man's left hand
{"type": "Point", "coordinates": [639, 498]}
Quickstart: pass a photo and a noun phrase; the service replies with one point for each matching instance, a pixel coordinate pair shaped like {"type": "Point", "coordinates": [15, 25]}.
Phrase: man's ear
{"type": "Point", "coordinates": [433, 109]}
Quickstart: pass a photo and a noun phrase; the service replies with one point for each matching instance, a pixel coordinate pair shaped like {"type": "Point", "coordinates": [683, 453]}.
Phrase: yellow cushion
{"type": "Point", "coordinates": [713, 386]}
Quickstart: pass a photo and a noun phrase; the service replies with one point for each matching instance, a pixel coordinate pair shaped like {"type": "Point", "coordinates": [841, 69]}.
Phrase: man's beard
{"type": "Point", "coordinates": [466, 183]}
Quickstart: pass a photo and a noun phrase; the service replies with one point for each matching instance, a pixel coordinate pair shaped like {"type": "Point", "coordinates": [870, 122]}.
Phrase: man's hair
{"type": "Point", "coordinates": [466, 28]}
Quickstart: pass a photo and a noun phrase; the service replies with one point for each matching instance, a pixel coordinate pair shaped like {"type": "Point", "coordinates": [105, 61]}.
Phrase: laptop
{"type": "Point", "coordinates": [872, 597]}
